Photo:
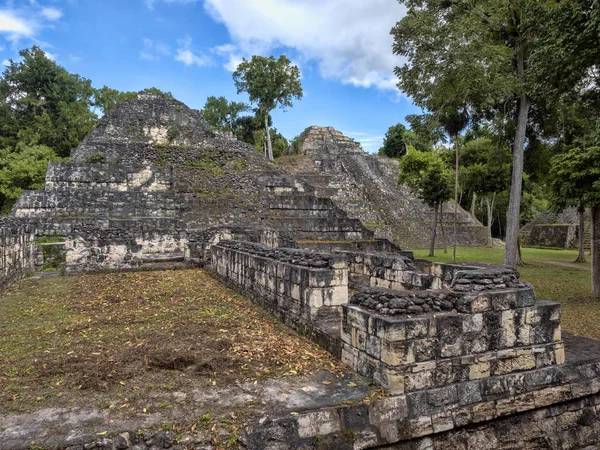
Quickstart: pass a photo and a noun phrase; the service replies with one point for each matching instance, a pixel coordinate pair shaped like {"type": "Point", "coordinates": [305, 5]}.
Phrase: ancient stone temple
{"type": "Point", "coordinates": [366, 188]}
{"type": "Point", "coordinates": [557, 230]}
{"type": "Point", "coordinates": [455, 356]}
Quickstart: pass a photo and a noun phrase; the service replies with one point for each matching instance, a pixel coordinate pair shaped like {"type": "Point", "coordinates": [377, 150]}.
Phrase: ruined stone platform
{"type": "Point", "coordinates": [366, 188]}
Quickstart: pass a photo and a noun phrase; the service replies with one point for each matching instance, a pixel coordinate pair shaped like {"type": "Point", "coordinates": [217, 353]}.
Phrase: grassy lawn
{"type": "Point", "coordinates": [553, 276]}
{"type": "Point", "coordinates": [115, 340]}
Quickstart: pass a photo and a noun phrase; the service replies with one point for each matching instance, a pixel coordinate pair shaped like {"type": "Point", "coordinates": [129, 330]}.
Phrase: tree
{"type": "Point", "coordinates": [39, 97]}
{"type": "Point", "coordinates": [576, 182]}
{"type": "Point", "coordinates": [425, 132]}
{"type": "Point", "coordinates": [22, 170]}
{"type": "Point", "coordinates": [224, 115]}
{"type": "Point", "coordinates": [270, 83]}
{"type": "Point", "coordinates": [490, 57]}
{"type": "Point", "coordinates": [486, 171]}
{"type": "Point", "coordinates": [426, 175]}
{"type": "Point", "coordinates": [394, 145]}
{"type": "Point", "coordinates": [106, 98]}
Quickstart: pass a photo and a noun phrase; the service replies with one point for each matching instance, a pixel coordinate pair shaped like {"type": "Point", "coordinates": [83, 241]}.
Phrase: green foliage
{"type": "Point", "coordinates": [270, 83]}
{"type": "Point", "coordinates": [296, 144]}
{"type": "Point", "coordinates": [106, 98]}
{"type": "Point", "coordinates": [425, 132]}
{"type": "Point", "coordinates": [24, 169]}
{"type": "Point", "coordinates": [279, 142]}
{"type": "Point", "coordinates": [427, 176]}
{"type": "Point", "coordinates": [156, 91]}
{"type": "Point", "coordinates": [486, 167]}
{"type": "Point", "coordinates": [224, 115]}
{"type": "Point", "coordinates": [43, 104]}
{"type": "Point", "coordinates": [575, 178]}
{"type": "Point", "coordinates": [394, 145]}
{"type": "Point", "coordinates": [96, 158]}
{"type": "Point", "coordinates": [172, 133]}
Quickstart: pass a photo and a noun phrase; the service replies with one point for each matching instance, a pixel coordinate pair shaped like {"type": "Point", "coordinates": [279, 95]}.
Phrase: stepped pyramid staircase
{"type": "Point", "coordinates": [365, 188]}
{"type": "Point", "coordinates": [315, 221]}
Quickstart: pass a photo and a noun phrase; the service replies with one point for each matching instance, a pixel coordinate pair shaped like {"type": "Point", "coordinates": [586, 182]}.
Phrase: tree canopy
{"type": "Point", "coordinates": [224, 115]}
{"type": "Point", "coordinates": [394, 145]}
{"type": "Point", "coordinates": [575, 179]}
{"type": "Point", "coordinates": [429, 178]}
{"type": "Point", "coordinates": [43, 104]}
{"type": "Point", "coordinates": [492, 61]}
{"type": "Point", "coordinates": [270, 83]}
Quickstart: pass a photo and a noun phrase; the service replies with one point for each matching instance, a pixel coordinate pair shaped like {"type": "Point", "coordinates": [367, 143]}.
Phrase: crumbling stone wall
{"type": "Point", "coordinates": [553, 408]}
{"type": "Point", "coordinates": [409, 341]}
{"type": "Point", "coordinates": [304, 289]}
{"type": "Point", "coordinates": [17, 251]}
{"type": "Point", "coordinates": [118, 249]}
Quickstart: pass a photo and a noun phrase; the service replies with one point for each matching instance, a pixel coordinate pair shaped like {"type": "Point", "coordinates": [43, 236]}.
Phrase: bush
{"type": "Point", "coordinates": [172, 133]}
{"type": "Point", "coordinates": [96, 158]}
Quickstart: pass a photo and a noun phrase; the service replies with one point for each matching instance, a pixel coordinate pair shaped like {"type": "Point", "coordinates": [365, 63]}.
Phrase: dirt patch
{"type": "Point", "coordinates": [121, 340]}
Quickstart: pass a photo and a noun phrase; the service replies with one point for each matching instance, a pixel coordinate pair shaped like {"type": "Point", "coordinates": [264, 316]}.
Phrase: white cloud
{"type": "Point", "coordinates": [15, 25]}
{"type": "Point", "coordinates": [186, 55]}
{"type": "Point", "coordinates": [51, 13]}
{"type": "Point", "coordinates": [348, 39]}
{"type": "Point", "coordinates": [153, 51]}
{"type": "Point", "coordinates": [150, 3]}
{"type": "Point", "coordinates": [370, 143]}
{"type": "Point", "coordinates": [5, 62]}
{"type": "Point", "coordinates": [51, 56]}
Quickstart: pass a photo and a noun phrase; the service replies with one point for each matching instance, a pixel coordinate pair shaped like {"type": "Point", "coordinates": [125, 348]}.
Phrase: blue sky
{"type": "Point", "coordinates": [191, 47]}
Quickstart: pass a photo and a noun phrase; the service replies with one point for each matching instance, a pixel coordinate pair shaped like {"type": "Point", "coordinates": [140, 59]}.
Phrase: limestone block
{"type": "Point", "coordinates": [396, 353]}
{"type": "Point", "coordinates": [387, 328]}
{"type": "Point", "coordinates": [419, 380]}
{"type": "Point", "coordinates": [508, 336]}
{"type": "Point", "coordinates": [335, 296]}
{"type": "Point", "coordinates": [472, 323]}
{"type": "Point", "coordinates": [421, 426]}
{"type": "Point", "coordinates": [391, 380]}
{"type": "Point", "coordinates": [479, 370]}
{"type": "Point", "coordinates": [442, 422]}
{"type": "Point", "coordinates": [388, 409]}
{"type": "Point", "coordinates": [319, 423]}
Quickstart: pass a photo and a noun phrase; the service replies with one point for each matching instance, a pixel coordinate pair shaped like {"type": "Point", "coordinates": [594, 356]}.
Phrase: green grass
{"type": "Point", "coordinates": [563, 282]}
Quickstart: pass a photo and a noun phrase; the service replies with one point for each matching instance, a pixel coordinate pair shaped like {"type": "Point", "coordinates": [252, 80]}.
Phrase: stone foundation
{"type": "Point", "coordinates": [17, 251]}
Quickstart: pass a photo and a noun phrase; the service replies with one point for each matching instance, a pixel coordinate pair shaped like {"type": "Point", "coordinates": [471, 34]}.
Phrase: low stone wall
{"type": "Point", "coordinates": [465, 277]}
{"type": "Point", "coordinates": [553, 408]}
{"type": "Point", "coordinates": [201, 242]}
{"type": "Point", "coordinates": [304, 289]}
{"type": "Point", "coordinates": [389, 270]}
{"type": "Point", "coordinates": [17, 251]}
{"type": "Point", "coordinates": [495, 333]}
{"type": "Point", "coordinates": [119, 249]}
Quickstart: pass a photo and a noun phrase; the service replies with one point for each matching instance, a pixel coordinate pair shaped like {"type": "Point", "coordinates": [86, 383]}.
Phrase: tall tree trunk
{"type": "Point", "coordinates": [511, 253]}
{"type": "Point", "coordinates": [490, 220]}
{"type": "Point", "coordinates": [456, 144]}
{"type": "Point", "coordinates": [596, 251]}
{"type": "Point", "coordinates": [581, 257]}
{"type": "Point", "coordinates": [269, 146]}
{"type": "Point", "coordinates": [442, 227]}
{"type": "Point", "coordinates": [473, 202]}
{"type": "Point", "coordinates": [433, 231]}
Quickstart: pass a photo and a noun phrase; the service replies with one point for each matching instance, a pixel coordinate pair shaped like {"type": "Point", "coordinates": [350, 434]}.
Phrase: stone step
{"type": "Point", "coordinates": [330, 224]}
{"type": "Point", "coordinates": [166, 266]}
{"type": "Point", "coordinates": [364, 245]}
{"type": "Point", "coordinates": [150, 258]}
{"type": "Point", "coordinates": [301, 201]}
